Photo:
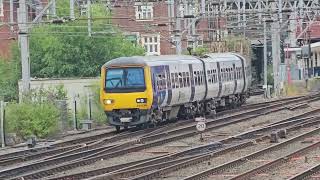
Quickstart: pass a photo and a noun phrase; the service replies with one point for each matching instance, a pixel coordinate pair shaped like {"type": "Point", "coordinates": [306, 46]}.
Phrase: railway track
{"type": "Point", "coordinates": [163, 161]}
{"type": "Point", "coordinates": [232, 144]}
{"type": "Point", "coordinates": [106, 153]}
{"type": "Point", "coordinates": [295, 161]}
{"type": "Point", "coordinates": [307, 174]}
{"type": "Point", "coordinates": [65, 146]}
{"type": "Point", "coordinates": [251, 160]}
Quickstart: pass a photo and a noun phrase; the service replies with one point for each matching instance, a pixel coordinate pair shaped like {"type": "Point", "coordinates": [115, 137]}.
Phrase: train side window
{"type": "Point", "coordinates": [168, 81]}
{"type": "Point", "coordinates": [188, 79]}
{"type": "Point", "coordinates": [172, 81]}
{"type": "Point", "coordinates": [209, 76]}
{"type": "Point", "coordinates": [236, 73]}
{"type": "Point", "coordinates": [227, 74]}
{"type": "Point", "coordinates": [214, 76]}
{"type": "Point", "coordinates": [201, 77]}
{"type": "Point", "coordinates": [180, 80]}
{"type": "Point", "coordinates": [184, 79]}
{"type": "Point", "coordinates": [161, 82]}
{"type": "Point", "coordinates": [176, 80]}
{"type": "Point", "coordinates": [224, 74]}
{"type": "Point", "coordinates": [195, 78]}
{"type": "Point", "coordinates": [164, 80]}
{"type": "Point", "coordinates": [158, 82]}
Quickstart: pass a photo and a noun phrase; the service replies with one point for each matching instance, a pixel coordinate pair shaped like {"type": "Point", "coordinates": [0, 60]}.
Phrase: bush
{"type": "Point", "coordinates": [37, 115]}
{"type": "Point", "coordinates": [10, 73]}
{"type": "Point", "coordinates": [26, 119]}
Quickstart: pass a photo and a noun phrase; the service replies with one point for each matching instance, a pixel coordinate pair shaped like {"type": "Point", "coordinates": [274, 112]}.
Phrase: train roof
{"type": "Point", "coordinates": [222, 57]}
{"type": "Point", "coordinates": [170, 59]}
{"type": "Point", "coordinates": [151, 60]}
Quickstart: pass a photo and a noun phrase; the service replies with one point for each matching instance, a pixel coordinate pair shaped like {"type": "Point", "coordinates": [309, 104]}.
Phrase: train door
{"type": "Point", "coordinates": [159, 85]}
{"type": "Point", "coordinates": [184, 84]}
{"type": "Point", "coordinates": [174, 70]}
{"type": "Point", "coordinates": [234, 77]}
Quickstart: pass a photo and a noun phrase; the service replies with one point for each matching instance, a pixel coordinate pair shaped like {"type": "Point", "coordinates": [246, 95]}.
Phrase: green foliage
{"type": "Point", "coordinates": [200, 51]}
{"type": "Point", "coordinates": [37, 114]}
{"type": "Point", "coordinates": [10, 73]}
{"type": "Point", "coordinates": [66, 50]}
{"type": "Point", "coordinates": [26, 119]}
{"type": "Point", "coordinates": [238, 44]}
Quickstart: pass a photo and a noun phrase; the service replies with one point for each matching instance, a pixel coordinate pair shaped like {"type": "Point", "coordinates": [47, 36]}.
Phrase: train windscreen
{"type": "Point", "coordinates": [125, 80]}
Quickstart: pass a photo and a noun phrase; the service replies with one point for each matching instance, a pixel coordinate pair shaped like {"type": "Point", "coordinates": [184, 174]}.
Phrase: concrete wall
{"type": "Point", "coordinates": [74, 87]}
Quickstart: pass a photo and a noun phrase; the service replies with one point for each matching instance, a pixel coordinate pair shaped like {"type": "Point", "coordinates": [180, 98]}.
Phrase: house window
{"type": "Point", "coordinates": [144, 11]}
{"type": "Point", "coordinates": [1, 8]}
{"type": "Point", "coordinates": [151, 44]}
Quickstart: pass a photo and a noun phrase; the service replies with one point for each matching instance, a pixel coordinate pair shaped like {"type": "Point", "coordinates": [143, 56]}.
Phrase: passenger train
{"type": "Point", "coordinates": [144, 90]}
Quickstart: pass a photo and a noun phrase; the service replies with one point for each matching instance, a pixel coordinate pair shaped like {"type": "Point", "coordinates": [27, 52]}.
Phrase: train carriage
{"type": "Point", "coordinates": [136, 91]}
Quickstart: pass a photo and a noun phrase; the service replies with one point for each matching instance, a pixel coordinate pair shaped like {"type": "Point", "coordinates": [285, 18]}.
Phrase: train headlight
{"type": "Point", "coordinates": [141, 100]}
{"type": "Point", "coordinates": [108, 101]}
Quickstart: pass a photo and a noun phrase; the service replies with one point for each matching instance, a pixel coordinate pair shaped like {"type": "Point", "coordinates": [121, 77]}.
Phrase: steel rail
{"type": "Point", "coordinates": [303, 175]}
{"type": "Point", "coordinates": [275, 163]}
{"type": "Point", "coordinates": [156, 164]}
{"type": "Point", "coordinates": [104, 156]}
{"type": "Point", "coordinates": [250, 156]}
{"type": "Point", "coordinates": [192, 162]}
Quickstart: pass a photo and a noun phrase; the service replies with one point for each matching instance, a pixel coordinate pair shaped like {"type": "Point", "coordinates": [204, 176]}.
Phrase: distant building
{"type": "Point", "coordinates": [7, 36]}
{"type": "Point", "coordinates": [149, 24]}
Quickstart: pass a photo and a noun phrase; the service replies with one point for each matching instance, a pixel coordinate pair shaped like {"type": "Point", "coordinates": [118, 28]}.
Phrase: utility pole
{"type": "Point", "coordinates": [89, 17]}
{"type": "Point", "coordinates": [72, 9]}
{"type": "Point", "coordinates": [276, 55]}
{"type": "Point", "coordinates": [53, 8]}
{"type": "Point", "coordinates": [11, 16]}
{"type": "Point", "coordinates": [178, 28]}
{"type": "Point", "coordinates": [2, 130]}
{"type": "Point", "coordinates": [265, 58]}
{"type": "Point", "coordinates": [24, 47]}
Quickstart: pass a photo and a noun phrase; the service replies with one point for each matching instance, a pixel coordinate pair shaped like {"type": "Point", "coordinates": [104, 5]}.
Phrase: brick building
{"type": "Point", "coordinates": [150, 25]}
{"type": "Point", "coordinates": [7, 36]}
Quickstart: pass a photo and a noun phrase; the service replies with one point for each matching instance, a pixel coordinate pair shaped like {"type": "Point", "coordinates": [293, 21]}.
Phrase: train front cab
{"type": "Point", "coordinates": [126, 95]}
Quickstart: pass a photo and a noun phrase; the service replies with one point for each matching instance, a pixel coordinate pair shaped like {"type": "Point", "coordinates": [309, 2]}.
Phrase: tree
{"type": "Point", "coordinates": [66, 50]}
{"type": "Point", "coordinates": [10, 73]}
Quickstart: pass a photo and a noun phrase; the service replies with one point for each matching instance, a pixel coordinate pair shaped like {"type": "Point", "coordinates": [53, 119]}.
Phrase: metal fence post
{"type": "Point", "coordinates": [3, 143]}
{"type": "Point", "coordinates": [89, 106]}
{"type": "Point", "coordinates": [75, 124]}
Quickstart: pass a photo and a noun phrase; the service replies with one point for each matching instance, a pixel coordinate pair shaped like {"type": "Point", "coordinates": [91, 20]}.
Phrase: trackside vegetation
{"type": "Point", "coordinates": [62, 50]}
